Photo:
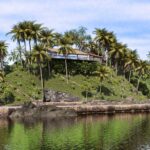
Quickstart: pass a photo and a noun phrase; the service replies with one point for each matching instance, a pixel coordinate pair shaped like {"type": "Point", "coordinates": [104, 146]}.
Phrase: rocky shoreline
{"type": "Point", "coordinates": [68, 109]}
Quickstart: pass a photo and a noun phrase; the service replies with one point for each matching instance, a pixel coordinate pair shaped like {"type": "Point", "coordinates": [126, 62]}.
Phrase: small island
{"type": "Point", "coordinates": [73, 71]}
{"type": "Point", "coordinates": [75, 75]}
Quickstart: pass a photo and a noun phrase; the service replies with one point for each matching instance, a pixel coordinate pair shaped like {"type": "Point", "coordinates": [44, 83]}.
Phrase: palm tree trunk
{"type": "Point", "coordinates": [30, 46]}
{"type": "Point", "coordinates": [130, 75]}
{"type": "Point", "coordinates": [106, 56]}
{"type": "Point", "coordinates": [20, 52]}
{"type": "Point", "coordinates": [2, 64]}
{"type": "Point", "coordinates": [42, 85]}
{"type": "Point", "coordinates": [100, 88]}
{"type": "Point", "coordinates": [25, 46]}
{"type": "Point", "coordinates": [35, 41]}
{"type": "Point", "coordinates": [66, 68]}
{"type": "Point", "coordinates": [30, 51]}
{"type": "Point", "coordinates": [138, 83]}
{"type": "Point", "coordinates": [116, 66]}
{"type": "Point", "coordinates": [86, 94]}
{"type": "Point", "coordinates": [49, 70]}
{"type": "Point", "coordinates": [110, 62]}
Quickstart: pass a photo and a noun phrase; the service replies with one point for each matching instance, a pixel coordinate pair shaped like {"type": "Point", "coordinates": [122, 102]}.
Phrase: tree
{"type": "Point", "coordinates": [39, 56]}
{"type": "Point", "coordinates": [23, 31]}
{"type": "Point", "coordinates": [36, 30]}
{"type": "Point", "coordinates": [29, 33]}
{"type": "Point", "coordinates": [3, 52]}
{"type": "Point", "coordinates": [47, 39]}
{"type": "Point", "coordinates": [14, 56]}
{"type": "Point", "coordinates": [142, 69]}
{"type": "Point", "coordinates": [16, 33]}
{"type": "Point", "coordinates": [78, 37]}
{"type": "Point", "coordinates": [65, 49]}
{"type": "Point", "coordinates": [131, 62]}
{"type": "Point", "coordinates": [116, 52]}
{"type": "Point", "coordinates": [104, 39]}
{"type": "Point", "coordinates": [102, 73]}
{"type": "Point", "coordinates": [86, 86]}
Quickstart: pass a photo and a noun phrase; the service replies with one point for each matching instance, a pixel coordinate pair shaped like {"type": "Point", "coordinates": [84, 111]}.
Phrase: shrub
{"type": "Point", "coordinates": [7, 97]}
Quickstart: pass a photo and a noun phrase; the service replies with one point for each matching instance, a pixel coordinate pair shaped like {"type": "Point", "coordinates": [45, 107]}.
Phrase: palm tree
{"type": "Point", "coordinates": [102, 73]}
{"type": "Point", "coordinates": [78, 38]}
{"type": "Point", "coordinates": [3, 52]}
{"type": "Point", "coordinates": [142, 69]}
{"type": "Point", "coordinates": [39, 56]}
{"type": "Point", "coordinates": [65, 49]}
{"type": "Point", "coordinates": [14, 56]}
{"type": "Point", "coordinates": [16, 33]}
{"type": "Point", "coordinates": [29, 33]}
{"type": "Point", "coordinates": [87, 88]}
{"type": "Point", "coordinates": [23, 31]}
{"type": "Point", "coordinates": [104, 39]}
{"type": "Point", "coordinates": [131, 62]}
{"type": "Point", "coordinates": [36, 30]}
{"type": "Point", "coordinates": [57, 38]}
{"type": "Point", "coordinates": [92, 47]}
{"type": "Point", "coordinates": [116, 52]}
{"type": "Point", "coordinates": [47, 39]}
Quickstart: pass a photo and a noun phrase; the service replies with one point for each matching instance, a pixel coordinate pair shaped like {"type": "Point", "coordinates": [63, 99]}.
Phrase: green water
{"type": "Point", "coordinates": [119, 132]}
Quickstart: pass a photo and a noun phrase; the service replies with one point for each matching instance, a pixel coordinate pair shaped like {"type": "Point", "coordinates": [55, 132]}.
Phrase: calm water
{"type": "Point", "coordinates": [120, 132]}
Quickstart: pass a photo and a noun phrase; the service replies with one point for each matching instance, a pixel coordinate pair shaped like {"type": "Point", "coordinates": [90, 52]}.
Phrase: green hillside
{"type": "Point", "coordinates": [26, 87]}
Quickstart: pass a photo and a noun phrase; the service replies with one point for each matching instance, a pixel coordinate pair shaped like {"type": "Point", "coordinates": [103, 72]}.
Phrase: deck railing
{"type": "Point", "coordinates": [77, 57]}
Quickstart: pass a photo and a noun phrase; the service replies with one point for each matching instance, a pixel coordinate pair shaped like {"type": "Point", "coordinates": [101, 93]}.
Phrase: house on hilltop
{"type": "Point", "coordinates": [77, 55]}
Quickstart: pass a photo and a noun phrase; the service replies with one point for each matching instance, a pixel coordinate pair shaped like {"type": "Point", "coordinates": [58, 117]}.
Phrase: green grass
{"type": "Point", "coordinates": [26, 87]}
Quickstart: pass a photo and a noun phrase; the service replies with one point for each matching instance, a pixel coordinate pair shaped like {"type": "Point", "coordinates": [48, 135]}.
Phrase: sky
{"type": "Point", "coordinates": [128, 19]}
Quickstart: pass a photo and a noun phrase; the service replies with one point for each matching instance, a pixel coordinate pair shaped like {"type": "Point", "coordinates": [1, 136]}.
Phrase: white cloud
{"type": "Point", "coordinates": [141, 44]}
{"type": "Point", "coordinates": [66, 14]}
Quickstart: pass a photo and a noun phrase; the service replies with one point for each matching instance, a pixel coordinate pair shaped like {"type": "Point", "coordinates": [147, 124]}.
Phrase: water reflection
{"type": "Point", "coordinates": [119, 132]}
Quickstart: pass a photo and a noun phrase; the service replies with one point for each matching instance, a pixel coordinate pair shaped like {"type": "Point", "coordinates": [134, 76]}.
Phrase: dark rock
{"type": "Point", "coordinates": [42, 112]}
{"type": "Point", "coordinates": [56, 96]}
{"type": "Point", "coordinates": [29, 105]}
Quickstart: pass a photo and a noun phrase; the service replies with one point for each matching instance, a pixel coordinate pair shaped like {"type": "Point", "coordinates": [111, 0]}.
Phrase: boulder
{"type": "Point", "coordinates": [56, 96]}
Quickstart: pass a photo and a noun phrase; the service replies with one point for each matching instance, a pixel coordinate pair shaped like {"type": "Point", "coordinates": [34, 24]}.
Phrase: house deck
{"type": "Point", "coordinates": [77, 55]}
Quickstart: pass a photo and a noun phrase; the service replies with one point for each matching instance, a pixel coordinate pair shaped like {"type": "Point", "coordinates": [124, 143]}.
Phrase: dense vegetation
{"type": "Point", "coordinates": [81, 78]}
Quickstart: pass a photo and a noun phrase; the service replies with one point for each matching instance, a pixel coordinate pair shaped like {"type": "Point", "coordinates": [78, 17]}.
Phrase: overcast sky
{"type": "Point", "coordinates": [129, 19]}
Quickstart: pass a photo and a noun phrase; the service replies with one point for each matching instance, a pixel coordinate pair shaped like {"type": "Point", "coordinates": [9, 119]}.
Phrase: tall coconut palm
{"type": "Point", "coordinates": [39, 56]}
{"type": "Point", "coordinates": [3, 52]}
{"type": "Point", "coordinates": [116, 52]}
{"type": "Point", "coordinates": [57, 38]}
{"type": "Point", "coordinates": [36, 30]}
{"type": "Point", "coordinates": [65, 49]}
{"type": "Point", "coordinates": [104, 39]}
{"type": "Point", "coordinates": [14, 56]}
{"type": "Point", "coordinates": [92, 47]}
{"type": "Point", "coordinates": [23, 31]}
{"type": "Point", "coordinates": [47, 39]}
{"type": "Point", "coordinates": [29, 33]}
{"type": "Point", "coordinates": [131, 62]}
{"type": "Point", "coordinates": [16, 33]}
{"type": "Point", "coordinates": [102, 73]}
{"type": "Point", "coordinates": [142, 69]}
{"type": "Point", "coordinates": [78, 37]}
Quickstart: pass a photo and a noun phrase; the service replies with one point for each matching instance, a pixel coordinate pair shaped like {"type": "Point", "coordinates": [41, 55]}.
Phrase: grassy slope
{"type": "Point", "coordinates": [27, 87]}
